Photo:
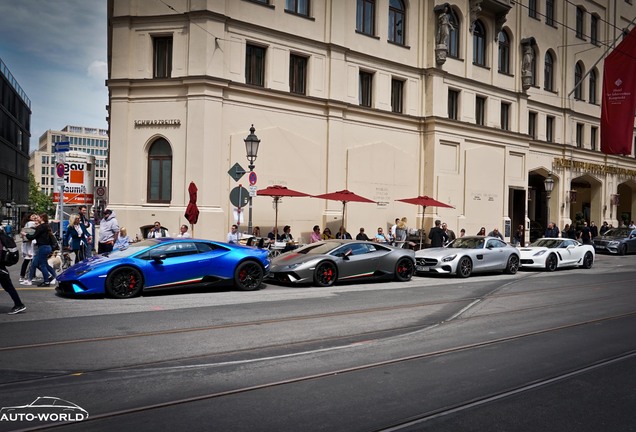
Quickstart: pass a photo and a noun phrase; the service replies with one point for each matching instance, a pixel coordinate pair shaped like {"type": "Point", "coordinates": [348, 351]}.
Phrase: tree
{"type": "Point", "coordinates": [39, 202]}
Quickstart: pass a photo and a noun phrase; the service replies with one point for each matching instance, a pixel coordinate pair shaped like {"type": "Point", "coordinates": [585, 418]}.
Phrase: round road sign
{"type": "Point", "coordinates": [252, 178]}
{"type": "Point", "coordinates": [59, 169]}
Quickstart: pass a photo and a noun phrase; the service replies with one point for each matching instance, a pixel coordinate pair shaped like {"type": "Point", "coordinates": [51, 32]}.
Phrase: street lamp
{"type": "Point", "coordinates": [251, 148]}
{"type": "Point", "coordinates": [549, 186]}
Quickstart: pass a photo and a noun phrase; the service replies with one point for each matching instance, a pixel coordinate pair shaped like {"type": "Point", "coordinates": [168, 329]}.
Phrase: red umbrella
{"type": "Point", "coordinates": [192, 211]}
{"type": "Point", "coordinates": [344, 196]}
{"type": "Point", "coordinates": [425, 201]}
{"type": "Point", "coordinates": [277, 192]}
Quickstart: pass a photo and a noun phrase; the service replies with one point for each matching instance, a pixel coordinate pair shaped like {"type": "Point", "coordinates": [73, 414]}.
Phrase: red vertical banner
{"type": "Point", "coordinates": [618, 105]}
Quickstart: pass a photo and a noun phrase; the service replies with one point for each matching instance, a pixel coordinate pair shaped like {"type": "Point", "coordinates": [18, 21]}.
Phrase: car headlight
{"type": "Point", "coordinates": [541, 252]}
{"type": "Point", "coordinates": [82, 272]}
{"type": "Point", "coordinates": [613, 243]}
{"type": "Point", "coordinates": [292, 266]}
{"type": "Point", "coordinates": [449, 258]}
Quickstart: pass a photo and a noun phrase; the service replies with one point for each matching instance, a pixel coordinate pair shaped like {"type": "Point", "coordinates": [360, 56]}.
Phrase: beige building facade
{"type": "Point", "coordinates": [375, 96]}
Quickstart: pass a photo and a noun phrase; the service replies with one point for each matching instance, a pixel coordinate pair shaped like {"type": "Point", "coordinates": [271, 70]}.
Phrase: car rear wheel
{"type": "Point", "coordinates": [588, 260]}
{"type": "Point", "coordinates": [248, 276]}
{"type": "Point", "coordinates": [622, 250]}
{"type": "Point", "coordinates": [325, 274]}
{"type": "Point", "coordinates": [513, 264]}
{"type": "Point", "coordinates": [551, 263]}
{"type": "Point", "coordinates": [124, 282]}
{"type": "Point", "coordinates": [404, 270]}
{"type": "Point", "coordinates": [464, 267]}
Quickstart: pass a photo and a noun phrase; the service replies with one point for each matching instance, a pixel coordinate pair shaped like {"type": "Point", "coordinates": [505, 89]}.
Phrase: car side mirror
{"type": "Point", "coordinates": [159, 258]}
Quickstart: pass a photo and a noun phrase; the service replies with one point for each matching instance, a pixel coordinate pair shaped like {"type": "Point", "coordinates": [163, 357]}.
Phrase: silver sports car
{"type": "Point", "coordinates": [467, 255]}
{"type": "Point", "coordinates": [323, 263]}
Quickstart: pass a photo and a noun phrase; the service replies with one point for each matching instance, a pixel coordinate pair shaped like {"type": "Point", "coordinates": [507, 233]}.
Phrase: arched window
{"type": "Point", "coordinates": [592, 86]}
{"type": "Point", "coordinates": [453, 36]}
{"type": "Point", "coordinates": [397, 21]}
{"type": "Point", "coordinates": [504, 52]}
{"type": "Point", "coordinates": [548, 75]}
{"type": "Point", "coordinates": [578, 76]}
{"type": "Point", "coordinates": [479, 44]}
{"type": "Point", "coordinates": [159, 172]}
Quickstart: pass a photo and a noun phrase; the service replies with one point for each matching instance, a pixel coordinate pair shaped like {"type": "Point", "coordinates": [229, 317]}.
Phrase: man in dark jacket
{"type": "Point", "coordinates": [437, 236]}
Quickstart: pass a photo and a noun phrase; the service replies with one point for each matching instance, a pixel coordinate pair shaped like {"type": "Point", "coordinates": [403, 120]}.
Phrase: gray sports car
{"type": "Point", "coordinates": [467, 255]}
{"type": "Point", "coordinates": [326, 262]}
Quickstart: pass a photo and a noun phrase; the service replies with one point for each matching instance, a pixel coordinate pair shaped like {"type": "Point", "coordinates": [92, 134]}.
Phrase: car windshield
{"type": "Point", "coordinates": [547, 243]}
{"type": "Point", "coordinates": [132, 249]}
{"type": "Point", "coordinates": [467, 243]}
{"type": "Point", "coordinates": [321, 248]}
{"type": "Point", "coordinates": [617, 232]}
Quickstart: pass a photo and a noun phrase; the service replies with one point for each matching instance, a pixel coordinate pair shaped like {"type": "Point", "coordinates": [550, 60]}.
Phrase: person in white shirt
{"type": "Point", "coordinates": [234, 235]}
{"type": "Point", "coordinates": [394, 227]}
{"type": "Point", "coordinates": [183, 232]}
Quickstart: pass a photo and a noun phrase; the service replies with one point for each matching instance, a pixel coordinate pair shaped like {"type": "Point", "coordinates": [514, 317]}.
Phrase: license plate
{"type": "Point", "coordinates": [422, 268]}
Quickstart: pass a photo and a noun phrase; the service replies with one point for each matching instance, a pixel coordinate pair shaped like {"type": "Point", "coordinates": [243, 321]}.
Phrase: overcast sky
{"type": "Point", "coordinates": [56, 50]}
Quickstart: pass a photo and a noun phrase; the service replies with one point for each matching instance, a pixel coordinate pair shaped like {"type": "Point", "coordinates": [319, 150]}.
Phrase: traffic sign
{"type": "Point", "coordinates": [252, 178]}
{"type": "Point", "coordinates": [59, 170]}
{"type": "Point", "coordinates": [101, 192]}
{"type": "Point", "coordinates": [239, 196]}
{"type": "Point", "coordinates": [252, 190]}
{"type": "Point", "coordinates": [62, 146]}
{"type": "Point", "coordinates": [236, 172]}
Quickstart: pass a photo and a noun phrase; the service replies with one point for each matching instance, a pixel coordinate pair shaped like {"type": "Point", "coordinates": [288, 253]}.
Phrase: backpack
{"type": "Point", "coordinates": [9, 254]}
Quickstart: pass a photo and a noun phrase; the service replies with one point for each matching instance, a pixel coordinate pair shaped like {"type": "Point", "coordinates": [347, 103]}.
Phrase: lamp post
{"type": "Point", "coordinates": [251, 148]}
{"type": "Point", "coordinates": [549, 186]}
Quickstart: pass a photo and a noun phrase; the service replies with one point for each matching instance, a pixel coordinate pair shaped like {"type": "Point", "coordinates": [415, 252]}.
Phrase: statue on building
{"type": "Point", "coordinates": [527, 61]}
{"type": "Point", "coordinates": [444, 27]}
{"type": "Point", "coordinates": [475, 9]}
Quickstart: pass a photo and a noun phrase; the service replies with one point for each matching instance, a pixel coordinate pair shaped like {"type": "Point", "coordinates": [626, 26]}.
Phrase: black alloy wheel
{"type": "Point", "coordinates": [513, 264]}
{"type": "Point", "coordinates": [551, 262]}
{"type": "Point", "coordinates": [248, 276]}
{"type": "Point", "coordinates": [124, 282]}
{"type": "Point", "coordinates": [464, 267]}
{"type": "Point", "coordinates": [404, 270]}
{"type": "Point", "coordinates": [588, 260]}
{"type": "Point", "coordinates": [325, 274]}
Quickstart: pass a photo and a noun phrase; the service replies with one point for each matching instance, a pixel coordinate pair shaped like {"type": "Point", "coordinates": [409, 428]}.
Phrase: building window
{"type": "Point", "coordinates": [162, 50]}
{"type": "Point", "coordinates": [365, 89]}
{"type": "Point", "coordinates": [549, 129]}
{"type": "Point", "coordinates": [365, 17]}
{"type": "Point", "coordinates": [479, 44]}
{"type": "Point", "coordinates": [549, 12]}
{"type": "Point", "coordinates": [548, 83]}
{"type": "Point", "coordinates": [453, 104]}
{"type": "Point", "coordinates": [297, 74]}
{"type": "Point", "coordinates": [579, 135]}
{"type": "Point", "coordinates": [453, 35]}
{"type": "Point", "coordinates": [594, 29]}
{"type": "Point", "coordinates": [592, 84]}
{"type": "Point", "coordinates": [578, 85]}
{"type": "Point", "coordinates": [504, 53]}
{"type": "Point", "coordinates": [159, 172]}
{"type": "Point", "coordinates": [532, 8]}
{"type": "Point", "coordinates": [397, 96]}
{"type": "Point", "coordinates": [593, 137]}
{"type": "Point", "coordinates": [397, 22]}
{"type": "Point", "coordinates": [300, 7]}
{"type": "Point", "coordinates": [532, 124]}
{"type": "Point", "coordinates": [505, 116]}
{"type": "Point", "coordinates": [480, 110]}
{"type": "Point", "coordinates": [580, 23]}
{"type": "Point", "coordinates": [255, 65]}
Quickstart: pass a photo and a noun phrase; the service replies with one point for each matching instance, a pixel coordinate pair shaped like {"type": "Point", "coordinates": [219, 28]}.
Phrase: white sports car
{"type": "Point", "coordinates": [553, 253]}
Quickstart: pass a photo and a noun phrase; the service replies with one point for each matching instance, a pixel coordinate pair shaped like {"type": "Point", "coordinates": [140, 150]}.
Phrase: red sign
{"type": "Point", "coordinates": [252, 178]}
{"type": "Point", "coordinates": [59, 169]}
{"type": "Point", "coordinates": [619, 97]}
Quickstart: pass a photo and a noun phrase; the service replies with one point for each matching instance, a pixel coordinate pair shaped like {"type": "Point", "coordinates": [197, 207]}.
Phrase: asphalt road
{"type": "Point", "coordinates": [533, 351]}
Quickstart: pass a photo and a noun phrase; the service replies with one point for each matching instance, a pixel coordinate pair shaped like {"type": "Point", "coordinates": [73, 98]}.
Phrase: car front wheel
{"type": "Point", "coordinates": [622, 250]}
{"type": "Point", "coordinates": [248, 276]}
{"type": "Point", "coordinates": [325, 274]}
{"type": "Point", "coordinates": [124, 282]}
{"type": "Point", "coordinates": [513, 264]}
{"type": "Point", "coordinates": [404, 270]}
{"type": "Point", "coordinates": [588, 260]}
{"type": "Point", "coordinates": [464, 267]}
{"type": "Point", "coordinates": [551, 263]}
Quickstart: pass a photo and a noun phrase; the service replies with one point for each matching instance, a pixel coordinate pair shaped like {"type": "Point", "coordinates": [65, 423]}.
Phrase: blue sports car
{"type": "Point", "coordinates": [159, 263]}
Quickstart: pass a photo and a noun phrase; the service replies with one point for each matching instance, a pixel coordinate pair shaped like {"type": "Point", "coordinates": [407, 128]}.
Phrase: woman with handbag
{"type": "Point", "coordinates": [44, 239]}
{"type": "Point", "coordinates": [77, 237]}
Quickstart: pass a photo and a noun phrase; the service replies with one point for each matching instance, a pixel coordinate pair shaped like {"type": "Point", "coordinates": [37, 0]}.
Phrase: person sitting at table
{"type": "Point", "coordinates": [326, 234]}
{"type": "Point", "coordinates": [380, 237]}
{"type": "Point", "coordinates": [315, 235]}
{"type": "Point", "coordinates": [287, 237]}
{"type": "Point", "coordinates": [343, 234]}
{"type": "Point", "coordinates": [362, 236]}
{"type": "Point", "coordinates": [273, 235]}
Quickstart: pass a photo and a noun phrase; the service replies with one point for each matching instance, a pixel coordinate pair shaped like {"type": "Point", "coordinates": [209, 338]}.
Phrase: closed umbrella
{"type": "Point", "coordinates": [424, 201]}
{"type": "Point", "coordinates": [192, 211]}
{"type": "Point", "coordinates": [344, 196]}
{"type": "Point", "coordinates": [277, 192]}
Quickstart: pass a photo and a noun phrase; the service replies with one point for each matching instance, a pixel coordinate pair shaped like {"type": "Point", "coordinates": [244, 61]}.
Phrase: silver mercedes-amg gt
{"type": "Point", "coordinates": [326, 262]}
{"type": "Point", "coordinates": [467, 255]}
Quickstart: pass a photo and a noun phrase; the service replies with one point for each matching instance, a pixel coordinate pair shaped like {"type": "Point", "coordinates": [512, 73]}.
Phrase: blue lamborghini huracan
{"type": "Point", "coordinates": [159, 263]}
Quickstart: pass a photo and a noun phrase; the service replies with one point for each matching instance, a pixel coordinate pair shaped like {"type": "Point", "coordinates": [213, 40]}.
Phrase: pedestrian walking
{"type": "Point", "coordinates": [28, 224]}
{"type": "Point", "coordinates": [77, 237]}
{"type": "Point", "coordinates": [5, 280]}
{"type": "Point", "coordinates": [44, 239]}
